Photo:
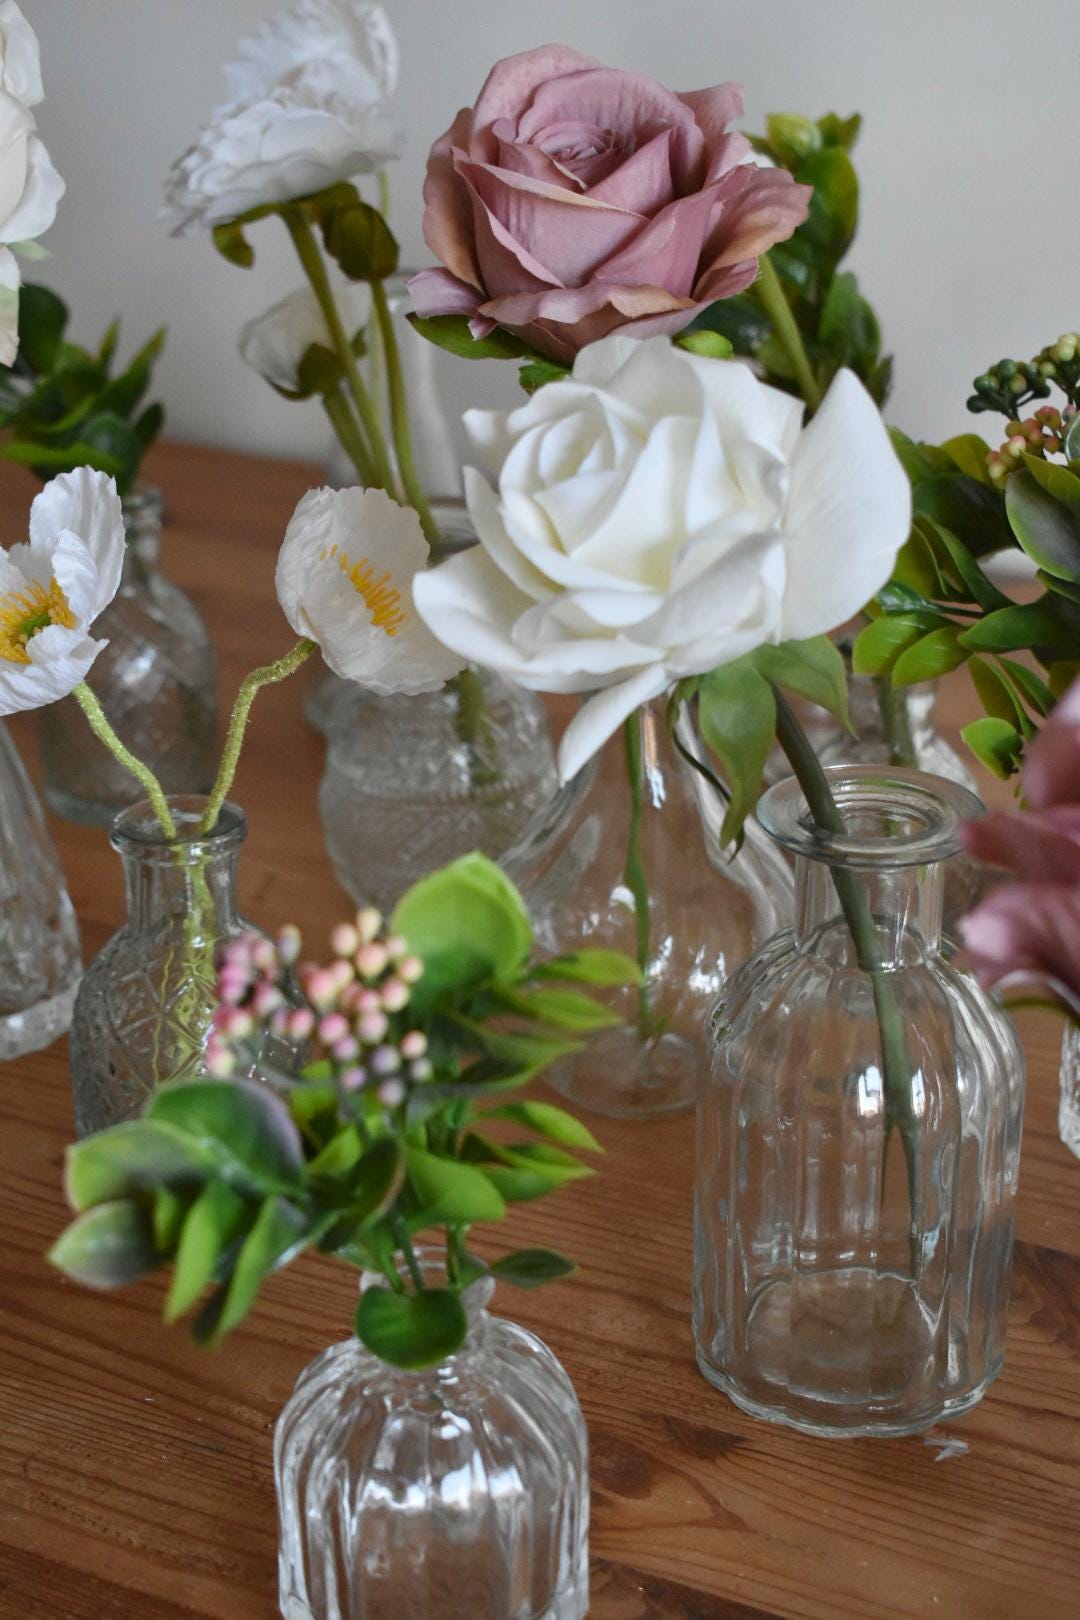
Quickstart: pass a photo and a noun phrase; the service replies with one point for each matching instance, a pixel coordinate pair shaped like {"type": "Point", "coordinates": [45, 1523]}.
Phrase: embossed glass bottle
{"type": "Point", "coordinates": [40, 964]}
{"type": "Point", "coordinates": [156, 681]}
{"type": "Point", "coordinates": [144, 1007]}
{"type": "Point", "coordinates": [853, 1219]}
{"type": "Point", "coordinates": [1069, 1096]}
{"type": "Point", "coordinates": [457, 1493]}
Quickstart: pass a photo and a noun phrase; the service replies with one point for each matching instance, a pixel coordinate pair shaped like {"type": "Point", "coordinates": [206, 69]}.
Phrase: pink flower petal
{"type": "Point", "coordinates": [666, 253]}
{"type": "Point", "coordinates": [447, 213]}
{"type": "Point", "coordinates": [511, 84]}
{"type": "Point", "coordinates": [437, 292]}
{"type": "Point", "coordinates": [1042, 846]}
{"type": "Point", "coordinates": [643, 182]}
{"type": "Point", "coordinates": [1029, 929]}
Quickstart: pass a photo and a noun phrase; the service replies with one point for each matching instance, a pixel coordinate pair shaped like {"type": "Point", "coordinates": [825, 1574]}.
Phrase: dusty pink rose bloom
{"type": "Point", "coordinates": [1031, 929]}
{"type": "Point", "coordinates": [575, 198]}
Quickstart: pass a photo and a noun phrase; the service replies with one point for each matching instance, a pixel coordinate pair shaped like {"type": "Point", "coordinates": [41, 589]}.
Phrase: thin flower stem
{"type": "Point", "coordinates": [895, 721]}
{"type": "Point", "coordinates": [399, 416]}
{"type": "Point", "coordinates": [634, 874]}
{"type": "Point", "coordinates": [311, 258]}
{"type": "Point", "coordinates": [773, 300]}
{"type": "Point", "coordinates": [473, 727]}
{"type": "Point", "coordinates": [268, 675]}
{"type": "Point", "coordinates": [99, 724]}
{"type": "Point", "coordinates": [349, 434]}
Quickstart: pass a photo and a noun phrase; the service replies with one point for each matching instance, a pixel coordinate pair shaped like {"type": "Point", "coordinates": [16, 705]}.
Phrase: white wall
{"type": "Point", "coordinates": [970, 224]}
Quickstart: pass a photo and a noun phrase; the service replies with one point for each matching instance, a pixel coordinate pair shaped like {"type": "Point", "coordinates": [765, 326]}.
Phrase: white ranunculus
{"type": "Point", "coordinates": [336, 42]}
{"type": "Point", "coordinates": [344, 577]}
{"type": "Point", "coordinates": [275, 342]}
{"type": "Point", "coordinates": [659, 514]}
{"type": "Point", "coordinates": [53, 589]}
{"type": "Point", "coordinates": [30, 187]}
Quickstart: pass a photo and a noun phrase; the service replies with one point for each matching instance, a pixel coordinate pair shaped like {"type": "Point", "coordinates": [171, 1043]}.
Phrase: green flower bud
{"type": "Point", "coordinates": [1006, 369]}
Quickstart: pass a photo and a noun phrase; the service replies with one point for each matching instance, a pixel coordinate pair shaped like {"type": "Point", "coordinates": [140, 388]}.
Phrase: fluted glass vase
{"type": "Point", "coordinates": [1069, 1094]}
{"type": "Point", "coordinates": [855, 1193]}
{"type": "Point", "coordinates": [40, 964]}
{"type": "Point", "coordinates": [457, 1493]}
{"type": "Point", "coordinates": [616, 861]}
{"type": "Point", "coordinates": [156, 681]}
{"type": "Point", "coordinates": [144, 1007]}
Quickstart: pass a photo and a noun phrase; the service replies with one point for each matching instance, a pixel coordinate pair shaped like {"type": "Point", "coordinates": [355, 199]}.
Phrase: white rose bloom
{"type": "Point", "coordinates": [344, 578]}
{"type": "Point", "coordinates": [337, 41]}
{"type": "Point", "coordinates": [53, 589]}
{"type": "Point", "coordinates": [275, 342]}
{"type": "Point", "coordinates": [30, 187]}
{"type": "Point", "coordinates": [659, 514]}
{"type": "Point", "coordinates": [20, 56]}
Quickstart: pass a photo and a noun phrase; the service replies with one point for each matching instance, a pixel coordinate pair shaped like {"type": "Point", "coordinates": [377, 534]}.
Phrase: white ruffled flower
{"type": "Point", "coordinates": [53, 589]}
{"type": "Point", "coordinates": [344, 577]}
{"type": "Point", "coordinates": [30, 187]}
{"type": "Point", "coordinates": [659, 514]}
{"type": "Point", "coordinates": [307, 112]}
{"type": "Point", "coordinates": [275, 342]}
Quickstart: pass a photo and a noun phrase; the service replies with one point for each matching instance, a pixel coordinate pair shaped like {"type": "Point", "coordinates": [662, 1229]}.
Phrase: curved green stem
{"type": "Point", "coordinates": [399, 415]}
{"type": "Point", "coordinates": [311, 258]}
{"type": "Point", "coordinates": [474, 727]}
{"type": "Point", "coordinates": [99, 724]}
{"type": "Point", "coordinates": [895, 721]}
{"type": "Point", "coordinates": [773, 300]}
{"type": "Point", "coordinates": [268, 675]}
{"type": "Point", "coordinates": [349, 435]}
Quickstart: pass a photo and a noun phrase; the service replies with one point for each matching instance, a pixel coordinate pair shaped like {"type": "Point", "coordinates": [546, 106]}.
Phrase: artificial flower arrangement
{"type": "Point", "coordinates": [30, 187]}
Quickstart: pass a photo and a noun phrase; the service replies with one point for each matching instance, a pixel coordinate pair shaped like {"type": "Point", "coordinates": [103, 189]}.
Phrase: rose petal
{"type": "Point", "coordinates": [1042, 846]}
{"type": "Point", "coordinates": [512, 82]}
{"type": "Point", "coordinates": [1026, 928]}
{"type": "Point", "coordinates": [601, 717]}
{"type": "Point", "coordinates": [437, 292]}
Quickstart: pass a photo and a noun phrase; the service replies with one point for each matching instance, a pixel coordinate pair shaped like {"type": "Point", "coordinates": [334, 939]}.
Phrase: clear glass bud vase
{"type": "Point", "coordinates": [893, 725]}
{"type": "Point", "coordinates": [412, 782]}
{"type": "Point", "coordinates": [145, 1003]}
{"type": "Point", "coordinates": [595, 872]}
{"type": "Point", "coordinates": [854, 1196]}
{"type": "Point", "coordinates": [40, 964]}
{"type": "Point", "coordinates": [1069, 1096]}
{"type": "Point", "coordinates": [156, 681]}
{"type": "Point", "coordinates": [457, 1493]}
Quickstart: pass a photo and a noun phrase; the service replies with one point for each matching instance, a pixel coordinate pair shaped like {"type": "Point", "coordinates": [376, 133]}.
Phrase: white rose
{"type": "Point", "coordinates": [274, 343]}
{"type": "Point", "coordinates": [20, 56]}
{"type": "Point", "coordinates": [344, 577]}
{"type": "Point", "coordinates": [338, 42]}
{"type": "Point", "coordinates": [30, 187]}
{"type": "Point", "coordinates": [53, 589]}
{"type": "Point", "coordinates": [659, 514]}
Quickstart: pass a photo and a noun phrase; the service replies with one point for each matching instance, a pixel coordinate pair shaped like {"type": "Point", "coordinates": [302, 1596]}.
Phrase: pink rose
{"type": "Point", "coordinates": [1031, 930]}
{"type": "Point", "coordinates": [575, 198]}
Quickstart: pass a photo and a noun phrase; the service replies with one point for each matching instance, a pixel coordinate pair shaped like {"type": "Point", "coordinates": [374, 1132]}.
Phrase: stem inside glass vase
{"type": "Point", "coordinates": [634, 874]}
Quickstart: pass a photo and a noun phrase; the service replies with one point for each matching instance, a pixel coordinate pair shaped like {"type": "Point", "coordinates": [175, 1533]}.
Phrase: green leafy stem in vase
{"type": "Point", "coordinates": [404, 1121]}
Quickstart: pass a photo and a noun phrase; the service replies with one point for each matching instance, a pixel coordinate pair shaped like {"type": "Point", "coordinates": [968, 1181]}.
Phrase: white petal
{"type": "Point", "coordinates": [42, 192]}
{"type": "Point", "coordinates": [740, 592]}
{"type": "Point", "coordinates": [487, 520]}
{"type": "Point", "coordinates": [86, 503]}
{"type": "Point", "coordinates": [603, 714]}
{"type": "Point", "coordinates": [74, 571]}
{"type": "Point", "coordinates": [59, 660]}
{"type": "Point", "coordinates": [20, 56]}
{"type": "Point", "coordinates": [848, 513]}
{"type": "Point", "coordinates": [470, 606]}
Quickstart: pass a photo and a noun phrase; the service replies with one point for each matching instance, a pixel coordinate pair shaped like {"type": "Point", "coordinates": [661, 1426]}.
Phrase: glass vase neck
{"type": "Point", "coordinates": [191, 875]}
{"type": "Point", "coordinates": [143, 510]}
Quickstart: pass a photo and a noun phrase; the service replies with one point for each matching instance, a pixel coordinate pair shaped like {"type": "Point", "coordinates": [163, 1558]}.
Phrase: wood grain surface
{"type": "Point", "coordinates": [135, 1470]}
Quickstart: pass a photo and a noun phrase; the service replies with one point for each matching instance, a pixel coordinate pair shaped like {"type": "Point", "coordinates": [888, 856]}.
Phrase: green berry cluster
{"type": "Point", "coordinates": [1011, 384]}
{"type": "Point", "coordinates": [1041, 435]}
{"type": "Point", "coordinates": [1059, 363]}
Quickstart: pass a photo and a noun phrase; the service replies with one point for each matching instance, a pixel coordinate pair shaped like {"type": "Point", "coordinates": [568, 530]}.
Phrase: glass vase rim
{"type": "Point", "coordinates": [933, 807]}
{"type": "Point", "coordinates": [137, 832]}
{"type": "Point", "coordinates": [143, 500]}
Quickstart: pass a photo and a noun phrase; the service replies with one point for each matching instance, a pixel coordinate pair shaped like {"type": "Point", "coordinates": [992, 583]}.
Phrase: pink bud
{"type": "Point", "coordinates": [395, 995]}
{"type": "Point", "coordinates": [352, 1079]}
{"type": "Point", "coordinates": [345, 940]}
{"type": "Point", "coordinates": [391, 1093]}
{"type": "Point", "coordinates": [279, 1021]}
{"type": "Point", "coordinates": [373, 1027]}
{"type": "Point", "coordinates": [421, 1070]}
{"type": "Point", "coordinates": [231, 988]}
{"type": "Point", "coordinates": [220, 1062]}
{"type": "Point", "coordinates": [301, 1023]}
{"type": "Point", "coordinates": [264, 956]}
{"type": "Point", "coordinates": [368, 923]}
{"type": "Point", "coordinates": [369, 1001]}
{"type": "Point", "coordinates": [345, 1050]}
{"type": "Point", "coordinates": [371, 960]}
{"type": "Point", "coordinates": [414, 1044]}
{"type": "Point", "coordinates": [334, 1027]}
{"type": "Point", "coordinates": [288, 944]}
{"type": "Point", "coordinates": [385, 1060]}
{"type": "Point", "coordinates": [267, 999]}
{"type": "Point", "coordinates": [396, 946]}
{"type": "Point", "coordinates": [343, 974]}
{"type": "Point", "coordinates": [321, 988]}
{"type": "Point", "coordinates": [411, 969]}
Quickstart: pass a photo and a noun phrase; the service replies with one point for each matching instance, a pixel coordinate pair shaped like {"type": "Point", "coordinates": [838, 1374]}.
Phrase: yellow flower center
{"type": "Point", "coordinates": [23, 613]}
{"type": "Point", "coordinates": [381, 595]}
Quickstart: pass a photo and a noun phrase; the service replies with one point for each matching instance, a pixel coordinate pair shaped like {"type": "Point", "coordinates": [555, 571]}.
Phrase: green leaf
{"type": "Point", "coordinates": [124, 392]}
{"type": "Point", "coordinates": [468, 924]}
{"type": "Point", "coordinates": [921, 462]}
{"type": "Point", "coordinates": [713, 345]}
{"type": "Point", "coordinates": [547, 1120]}
{"type": "Point", "coordinates": [996, 743]}
{"type": "Point", "coordinates": [740, 319]}
{"type": "Point", "coordinates": [535, 373]}
{"type": "Point", "coordinates": [168, 1212]}
{"type": "Point", "coordinates": [520, 1186]}
{"type": "Point", "coordinates": [246, 1129]}
{"type": "Point", "coordinates": [214, 1221]}
{"type": "Point", "coordinates": [968, 454]}
{"type": "Point", "coordinates": [341, 1154]}
{"type": "Point", "coordinates": [232, 244]}
{"type": "Point", "coordinates": [108, 1246]}
{"type": "Point", "coordinates": [562, 1009]}
{"type": "Point", "coordinates": [411, 1330]}
{"type": "Point", "coordinates": [139, 1155]}
{"type": "Point", "coordinates": [836, 131]}
{"type": "Point", "coordinates": [917, 566]}
{"type": "Point", "coordinates": [1031, 624]}
{"type": "Point", "coordinates": [1034, 689]}
{"type": "Point", "coordinates": [834, 205]}
{"type": "Point", "coordinates": [814, 669]}
{"type": "Point", "coordinates": [1045, 524]}
{"type": "Point", "coordinates": [1072, 439]}
{"type": "Point", "coordinates": [848, 327]}
{"type": "Point", "coordinates": [737, 715]}
{"type": "Point", "coordinates": [980, 589]}
{"type": "Point", "coordinates": [280, 1232]}
{"type": "Point", "coordinates": [452, 332]}
{"type": "Point", "coordinates": [147, 425]}
{"type": "Point", "coordinates": [971, 510]}
{"type": "Point", "coordinates": [591, 966]}
{"type": "Point", "coordinates": [358, 237]}
{"type": "Point", "coordinates": [792, 137]}
{"type": "Point", "coordinates": [878, 646]}
{"type": "Point", "coordinates": [930, 657]}
{"type": "Point", "coordinates": [530, 1268]}
{"type": "Point", "coordinates": [42, 320]}
{"type": "Point", "coordinates": [449, 1191]}
{"type": "Point", "coordinates": [1056, 480]}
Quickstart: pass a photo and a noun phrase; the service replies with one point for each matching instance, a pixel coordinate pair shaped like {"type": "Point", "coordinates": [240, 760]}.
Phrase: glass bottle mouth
{"type": "Point", "coordinates": [137, 831]}
{"type": "Point", "coordinates": [892, 817]}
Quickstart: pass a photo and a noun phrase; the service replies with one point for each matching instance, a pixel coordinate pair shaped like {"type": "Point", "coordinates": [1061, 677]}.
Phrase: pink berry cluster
{"type": "Point", "coordinates": [1042, 435]}
{"type": "Point", "coordinates": [352, 1008]}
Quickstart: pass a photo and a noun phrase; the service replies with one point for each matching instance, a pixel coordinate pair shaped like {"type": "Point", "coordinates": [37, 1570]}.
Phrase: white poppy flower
{"type": "Point", "coordinates": [53, 589]}
{"type": "Point", "coordinates": [30, 187]}
{"type": "Point", "coordinates": [344, 577]}
{"type": "Point", "coordinates": [659, 514]}
{"type": "Point", "coordinates": [275, 342]}
{"type": "Point", "coordinates": [307, 112]}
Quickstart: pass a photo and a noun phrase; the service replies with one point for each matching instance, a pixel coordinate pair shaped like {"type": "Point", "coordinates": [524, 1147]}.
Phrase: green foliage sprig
{"type": "Point", "coordinates": [396, 1127]}
{"type": "Point", "coordinates": [61, 407]}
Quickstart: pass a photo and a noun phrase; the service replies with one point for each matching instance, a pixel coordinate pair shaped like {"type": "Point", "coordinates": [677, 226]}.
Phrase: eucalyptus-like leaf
{"type": "Point", "coordinates": [214, 1221]}
{"type": "Point", "coordinates": [996, 744]}
{"type": "Point", "coordinates": [108, 1246]}
{"type": "Point", "coordinates": [968, 454]}
{"type": "Point", "coordinates": [447, 1190]}
{"type": "Point", "coordinates": [547, 1120]}
{"type": "Point", "coordinates": [280, 1231]}
{"type": "Point", "coordinates": [468, 924]}
{"type": "Point", "coordinates": [880, 643]}
{"type": "Point", "coordinates": [246, 1129]}
{"type": "Point", "coordinates": [1045, 524]}
{"type": "Point", "coordinates": [591, 965]}
{"type": "Point", "coordinates": [930, 657]}
{"type": "Point", "coordinates": [411, 1330]}
{"type": "Point", "coordinates": [530, 1268]}
{"type": "Point", "coordinates": [1026, 625]}
{"type": "Point", "coordinates": [562, 1009]}
{"type": "Point", "coordinates": [737, 716]}
{"type": "Point", "coordinates": [135, 1156]}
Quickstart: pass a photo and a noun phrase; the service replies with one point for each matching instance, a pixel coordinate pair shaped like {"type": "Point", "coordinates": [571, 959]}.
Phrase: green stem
{"type": "Point", "coordinates": [349, 435]}
{"type": "Point", "coordinates": [895, 722]}
{"type": "Point", "coordinates": [399, 416]}
{"type": "Point", "coordinates": [634, 874]}
{"type": "Point", "coordinates": [268, 675]}
{"type": "Point", "coordinates": [895, 1059]}
{"type": "Point", "coordinates": [99, 724]}
{"type": "Point", "coordinates": [474, 728]}
{"type": "Point", "coordinates": [401, 1238]}
{"type": "Point", "coordinates": [773, 300]}
{"type": "Point", "coordinates": [311, 258]}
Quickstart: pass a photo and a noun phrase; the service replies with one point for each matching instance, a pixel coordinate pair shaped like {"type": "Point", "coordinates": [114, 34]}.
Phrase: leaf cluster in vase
{"type": "Point", "coordinates": [417, 1035]}
{"type": "Point", "coordinates": [941, 610]}
{"type": "Point", "coordinates": [62, 406]}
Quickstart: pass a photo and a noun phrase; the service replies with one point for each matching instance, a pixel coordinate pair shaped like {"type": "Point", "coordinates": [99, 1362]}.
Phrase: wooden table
{"type": "Point", "coordinates": [135, 1470]}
